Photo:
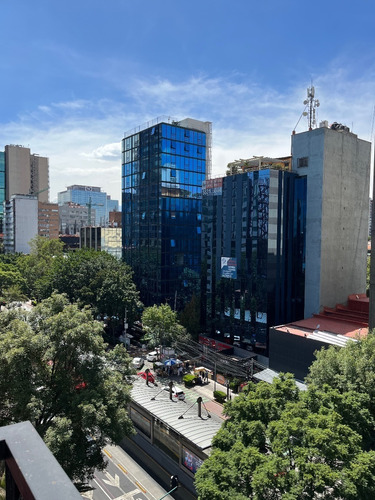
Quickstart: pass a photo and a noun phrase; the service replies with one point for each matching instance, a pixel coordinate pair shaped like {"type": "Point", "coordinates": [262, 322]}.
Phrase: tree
{"type": "Point", "coordinates": [97, 279]}
{"type": "Point", "coordinates": [55, 372]}
{"type": "Point", "coordinates": [36, 266]}
{"type": "Point", "coordinates": [279, 443]}
{"type": "Point", "coordinates": [190, 317]}
{"type": "Point", "coordinates": [161, 325]}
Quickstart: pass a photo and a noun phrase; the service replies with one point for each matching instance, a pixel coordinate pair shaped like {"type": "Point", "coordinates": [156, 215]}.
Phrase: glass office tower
{"type": "Point", "coordinates": [163, 167]}
{"type": "Point", "coordinates": [253, 247]}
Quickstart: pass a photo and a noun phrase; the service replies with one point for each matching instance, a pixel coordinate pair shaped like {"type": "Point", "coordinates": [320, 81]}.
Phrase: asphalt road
{"type": "Point", "coordinates": [123, 479]}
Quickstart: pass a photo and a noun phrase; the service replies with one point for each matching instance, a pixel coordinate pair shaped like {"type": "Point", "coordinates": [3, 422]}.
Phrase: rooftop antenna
{"type": "Point", "coordinates": [311, 104]}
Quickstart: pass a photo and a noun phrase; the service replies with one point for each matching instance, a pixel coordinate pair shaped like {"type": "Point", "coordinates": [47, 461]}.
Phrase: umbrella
{"type": "Point", "coordinates": [143, 375]}
{"type": "Point", "coordinates": [170, 362]}
{"type": "Point", "coordinates": [173, 361]}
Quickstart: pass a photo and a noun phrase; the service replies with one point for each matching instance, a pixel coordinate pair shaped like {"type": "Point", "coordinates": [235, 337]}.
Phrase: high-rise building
{"type": "Point", "coordinates": [164, 164]}
{"type": "Point", "coordinates": [20, 223]}
{"type": "Point", "coordinates": [26, 173]}
{"type": "Point", "coordinates": [2, 189]}
{"type": "Point", "coordinates": [336, 165]}
{"type": "Point", "coordinates": [74, 216]}
{"type": "Point", "coordinates": [93, 197]}
{"type": "Point", "coordinates": [253, 251]}
{"type": "Point", "coordinates": [48, 220]}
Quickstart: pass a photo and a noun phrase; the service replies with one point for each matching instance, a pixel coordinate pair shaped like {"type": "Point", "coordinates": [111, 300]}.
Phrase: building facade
{"type": "Point", "coordinates": [253, 253]}
{"type": "Point", "coordinates": [20, 223]}
{"type": "Point", "coordinates": [26, 173]}
{"type": "Point", "coordinates": [72, 217]}
{"type": "Point", "coordinates": [48, 220]}
{"type": "Point", "coordinates": [105, 239]}
{"type": "Point", "coordinates": [163, 167]}
{"type": "Point", "coordinates": [91, 197]}
{"type": "Point", "coordinates": [336, 165]}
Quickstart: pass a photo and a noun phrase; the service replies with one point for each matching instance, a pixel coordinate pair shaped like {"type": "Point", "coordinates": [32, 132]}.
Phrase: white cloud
{"type": "Point", "coordinates": [82, 138]}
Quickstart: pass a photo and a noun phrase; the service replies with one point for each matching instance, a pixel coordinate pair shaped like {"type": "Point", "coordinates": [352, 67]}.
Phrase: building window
{"type": "Point", "coordinates": [303, 162]}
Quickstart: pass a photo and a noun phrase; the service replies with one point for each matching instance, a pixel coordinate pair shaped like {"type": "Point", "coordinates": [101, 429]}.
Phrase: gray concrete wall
{"type": "Point", "coordinates": [338, 176]}
{"type": "Point", "coordinates": [311, 145]}
{"type": "Point", "coordinates": [345, 216]}
{"type": "Point", "coordinates": [17, 167]}
{"type": "Point", "coordinates": [25, 223]}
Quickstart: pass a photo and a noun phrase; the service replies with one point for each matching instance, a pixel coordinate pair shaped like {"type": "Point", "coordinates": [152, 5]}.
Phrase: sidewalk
{"type": "Point", "coordinates": [206, 391]}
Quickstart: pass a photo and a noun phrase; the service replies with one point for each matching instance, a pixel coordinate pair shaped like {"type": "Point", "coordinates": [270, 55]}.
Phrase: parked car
{"type": "Point", "coordinates": [152, 356]}
{"type": "Point", "coordinates": [177, 393]}
{"type": "Point", "coordinates": [137, 363]}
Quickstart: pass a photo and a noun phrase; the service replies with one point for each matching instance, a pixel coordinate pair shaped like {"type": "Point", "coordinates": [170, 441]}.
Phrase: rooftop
{"type": "Point", "coordinates": [198, 430]}
{"type": "Point", "coordinates": [334, 325]}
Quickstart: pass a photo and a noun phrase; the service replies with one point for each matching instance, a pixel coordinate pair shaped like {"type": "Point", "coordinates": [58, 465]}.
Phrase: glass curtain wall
{"type": "Point", "coordinates": [162, 174]}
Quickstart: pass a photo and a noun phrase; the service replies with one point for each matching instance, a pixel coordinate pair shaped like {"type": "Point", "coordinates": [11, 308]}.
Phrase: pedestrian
{"type": "Point", "coordinates": [206, 376]}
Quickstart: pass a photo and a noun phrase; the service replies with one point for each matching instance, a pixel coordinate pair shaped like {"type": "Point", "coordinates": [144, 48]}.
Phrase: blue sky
{"type": "Point", "coordinates": [75, 75]}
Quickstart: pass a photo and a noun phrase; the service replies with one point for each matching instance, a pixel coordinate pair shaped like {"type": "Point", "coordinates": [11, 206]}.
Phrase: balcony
{"type": "Point", "coordinates": [31, 471]}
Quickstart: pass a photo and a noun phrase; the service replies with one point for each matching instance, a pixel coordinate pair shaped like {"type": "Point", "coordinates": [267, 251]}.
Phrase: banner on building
{"type": "Point", "coordinates": [229, 267]}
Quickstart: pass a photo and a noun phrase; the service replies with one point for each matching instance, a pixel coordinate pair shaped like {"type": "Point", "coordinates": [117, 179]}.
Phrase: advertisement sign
{"type": "Point", "coordinates": [190, 460]}
{"type": "Point", "coordinates": [229, 267]}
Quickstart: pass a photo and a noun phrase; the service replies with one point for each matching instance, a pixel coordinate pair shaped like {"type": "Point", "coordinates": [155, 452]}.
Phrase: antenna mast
{"type": "Point", "coordinates": [311, 104]}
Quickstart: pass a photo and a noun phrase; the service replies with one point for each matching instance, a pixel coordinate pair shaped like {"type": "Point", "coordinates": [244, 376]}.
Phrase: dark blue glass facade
{"type": "Point", "coordinates": [163, 168]}
{"type": "Point", "coordinates": [257, 220]}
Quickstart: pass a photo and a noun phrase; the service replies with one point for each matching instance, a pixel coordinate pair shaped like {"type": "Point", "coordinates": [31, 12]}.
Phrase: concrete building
{"type": "Point", "coordinates": [73, 217]}
{"type": "Point", "coordinates": [336, 165]}
{"type": "Point", "coordinates": [26, 173]}
{"type": "Point", "coordinates": [164, 164]}
{"type": "Point", "coordinates": [20, 223]}
{"type": "Point", "coordinates": [48, 220]}
{"type": "Point", "coordinates": [90, 196]}
{"type": "Point", "coordinates": [106, 239]}
{"type": "Point", "coordinates": [115, 219]}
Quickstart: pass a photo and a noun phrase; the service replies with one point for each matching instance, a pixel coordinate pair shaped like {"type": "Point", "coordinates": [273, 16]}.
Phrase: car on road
{"type": "Point", "coordinates": [152, 356]}
{"type": "Point", "coordinates": [137, 363]}
{"type": "Point", "coordinates": [177, 392]}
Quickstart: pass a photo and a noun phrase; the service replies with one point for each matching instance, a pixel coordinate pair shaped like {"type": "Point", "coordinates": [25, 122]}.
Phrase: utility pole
{"type": "Point", "coordinates": [125, 327]}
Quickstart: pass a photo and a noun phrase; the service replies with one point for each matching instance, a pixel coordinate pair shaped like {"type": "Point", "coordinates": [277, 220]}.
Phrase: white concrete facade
{"type": "Point", "coordinates": [337, 166]}
{"type": "Point", "coordinates": [20, 223]}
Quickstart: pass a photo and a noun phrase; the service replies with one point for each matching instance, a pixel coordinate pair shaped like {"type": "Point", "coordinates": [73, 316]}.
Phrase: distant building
{"type": "Point", "coordinates": [72, 217]}
{"type": "Point", "coordinates": [71, 242]}
{"type": "Point", "coordinates": [48, 220]}
{"type": "Point", "coordinates": [20, 223]}
{"type": "Point", "coordinates": [26, 173]}
{"type": "Point", "coordinates": [90, 196]}
{"type": "Point", "coordinates": [163, 166]}
{"type": "Point", "coordinates": [115, 219]}
{"type": "Point", "coordinates": [106, 239]}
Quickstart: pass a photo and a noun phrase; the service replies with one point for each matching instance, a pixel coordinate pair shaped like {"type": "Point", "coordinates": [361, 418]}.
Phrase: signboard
{"type": "Point", "coordinates": [190, 460]}
{"type": "Point", "coordinates": [228, 267]}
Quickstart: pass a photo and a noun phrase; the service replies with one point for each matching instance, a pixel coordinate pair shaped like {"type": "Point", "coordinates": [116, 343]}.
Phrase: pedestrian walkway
{"type": "Point", "coordinates": [205, 391]}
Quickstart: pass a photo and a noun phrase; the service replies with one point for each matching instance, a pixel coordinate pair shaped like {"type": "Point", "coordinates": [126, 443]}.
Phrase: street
{"type": "Point", "coordinates": [123, 479]}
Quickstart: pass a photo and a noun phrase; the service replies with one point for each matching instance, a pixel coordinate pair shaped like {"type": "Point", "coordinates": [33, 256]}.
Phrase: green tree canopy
{"type": "Point", "coordinates": [55, 372]}
{"type": "Point", "coordinates": [279, 443]}
{"type": "Point", "coordinates": [97, 279]}
{"type": "Point", "coordinates": [35, 267]}
{"type": "Point", "coordinates": [161, 325]}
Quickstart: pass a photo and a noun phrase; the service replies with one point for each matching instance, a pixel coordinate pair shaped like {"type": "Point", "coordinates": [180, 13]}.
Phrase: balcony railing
{"type": "Point", "coordinates": [31, 471]}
